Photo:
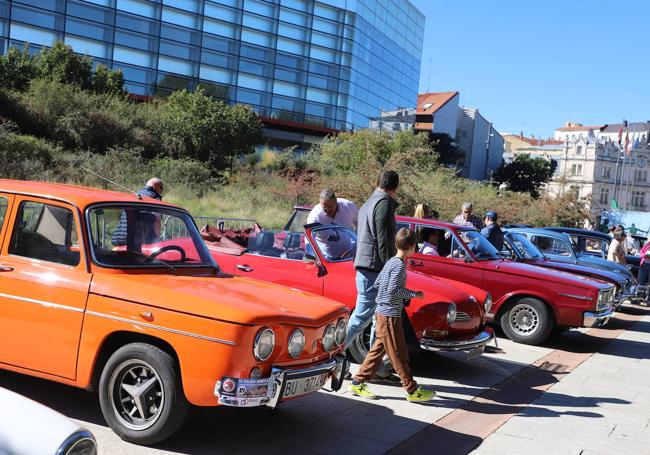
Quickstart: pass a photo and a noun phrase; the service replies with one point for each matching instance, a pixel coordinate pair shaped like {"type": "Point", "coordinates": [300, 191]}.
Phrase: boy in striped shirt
{"type": "Point", "coordinates": [389, 333]}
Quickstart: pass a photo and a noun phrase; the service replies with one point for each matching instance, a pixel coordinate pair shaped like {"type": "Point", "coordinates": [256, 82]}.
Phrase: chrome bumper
{"type": "Point", "coordinates": [598, 318]}
{"type": "Point", "coordinates": [480, 340]}
{"type": "Point", "coordinates": [248, 392]}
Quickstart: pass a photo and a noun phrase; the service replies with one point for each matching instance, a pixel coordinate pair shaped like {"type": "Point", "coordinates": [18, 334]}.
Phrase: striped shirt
{"type": "Point", "coordinates": [391, 290]}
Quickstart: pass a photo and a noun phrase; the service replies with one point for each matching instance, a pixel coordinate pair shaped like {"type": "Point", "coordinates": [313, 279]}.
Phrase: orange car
{"type": "Point", "coordinates": [106, 290]}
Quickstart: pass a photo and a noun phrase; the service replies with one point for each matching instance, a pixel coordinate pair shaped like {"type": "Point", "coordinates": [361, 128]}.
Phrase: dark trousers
{"type": "Point", "coordinates": [644, 273]}
{"type": "Point", "coordinates": [390, 340]}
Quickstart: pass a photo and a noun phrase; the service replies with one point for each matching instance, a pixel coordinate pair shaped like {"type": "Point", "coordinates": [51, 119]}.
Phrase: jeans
{"type": "Point", "coordinates": [644, 272]}
{"type": "Point", "coordinates": [364, 311]}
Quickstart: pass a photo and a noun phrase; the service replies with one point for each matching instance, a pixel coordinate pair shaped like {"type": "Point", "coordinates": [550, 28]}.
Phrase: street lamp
{"type": "Point", "coordinates": [487, 148]}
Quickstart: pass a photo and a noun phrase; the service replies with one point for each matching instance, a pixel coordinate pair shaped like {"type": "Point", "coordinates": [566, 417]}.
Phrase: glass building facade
{"type": "Point", "coordinates": [329, 63]}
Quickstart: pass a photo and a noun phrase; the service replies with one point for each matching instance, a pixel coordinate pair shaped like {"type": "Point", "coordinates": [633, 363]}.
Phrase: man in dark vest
{"type": "Point", "coordinates": [375, 245]}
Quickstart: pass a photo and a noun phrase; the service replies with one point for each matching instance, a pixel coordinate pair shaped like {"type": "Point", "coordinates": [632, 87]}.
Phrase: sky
{"type": "Point", "coordinates": [531, 65]}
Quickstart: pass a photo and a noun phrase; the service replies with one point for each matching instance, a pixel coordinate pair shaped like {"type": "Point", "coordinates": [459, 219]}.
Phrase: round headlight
{"type": "Point", "coordinates": [296, 343]}
{"type": "Point", "coordinates": [488, 303]}
{"type": "Point", "coordinates": [341, 331]}
{"type": "Point", "coordinates": [451, 313]}
{"type": "Point", "coordinates": [328, 337]}
{"type": "Point", "coordinates": [264, 344]}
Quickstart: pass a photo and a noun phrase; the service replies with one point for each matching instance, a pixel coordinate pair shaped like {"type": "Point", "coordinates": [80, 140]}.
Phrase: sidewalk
{"type": "Point", "coordinates": [601, 407]}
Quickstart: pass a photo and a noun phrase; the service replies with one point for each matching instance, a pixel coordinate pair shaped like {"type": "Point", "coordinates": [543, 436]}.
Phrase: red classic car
{"type": "Point", "coordinates": [319, 260]}
{"type": "Point", "coordinates": [529, 301]}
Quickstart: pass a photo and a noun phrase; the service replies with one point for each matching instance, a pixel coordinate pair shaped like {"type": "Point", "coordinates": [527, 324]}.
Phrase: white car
{"type": "Point", "coordinates": [30, 428]}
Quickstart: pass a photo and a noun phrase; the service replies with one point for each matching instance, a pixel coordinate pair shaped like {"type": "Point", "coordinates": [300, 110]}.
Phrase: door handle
{"type": "Point", "coordinates": [244, 268]}
{"type": "Point", "coordinates": [415, 263]}
{"type": "Point", "coordinates": [6, 268]}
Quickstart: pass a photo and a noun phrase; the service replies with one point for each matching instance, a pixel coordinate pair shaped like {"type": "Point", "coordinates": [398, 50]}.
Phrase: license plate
{"type": "Point", "coordinates": [475, 352]}
{"type": "Point", "coordinates": [303, 386]}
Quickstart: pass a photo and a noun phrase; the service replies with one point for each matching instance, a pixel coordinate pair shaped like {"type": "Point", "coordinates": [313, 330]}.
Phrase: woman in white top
{"type": "Point", "coordinates": [429, 242]}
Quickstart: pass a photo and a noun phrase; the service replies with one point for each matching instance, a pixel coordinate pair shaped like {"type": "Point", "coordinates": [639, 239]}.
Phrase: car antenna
{"type": "Point", "coordinates": [114, 183]}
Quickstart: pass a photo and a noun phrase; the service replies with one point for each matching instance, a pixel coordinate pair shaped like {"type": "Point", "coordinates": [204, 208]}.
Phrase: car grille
{"type": "Point", "coordinates": [462, 317]}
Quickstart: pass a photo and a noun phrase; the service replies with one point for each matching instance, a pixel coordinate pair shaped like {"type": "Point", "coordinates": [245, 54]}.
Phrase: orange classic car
{"type": "Point", "coordinates": [110, 291]}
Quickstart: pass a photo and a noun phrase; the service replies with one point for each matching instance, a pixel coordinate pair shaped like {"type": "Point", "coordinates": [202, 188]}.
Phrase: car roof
{"type": "Point", "coordinates": [80, 196]}
{"type": "Point", "coordinates": [540, 231]}
{"type": "Point", "coordinates": [579, 231]}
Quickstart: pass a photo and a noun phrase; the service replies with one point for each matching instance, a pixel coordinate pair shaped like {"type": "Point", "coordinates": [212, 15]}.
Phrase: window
{"type": "Point", "coordinates": [548, 245]}
{"type": "Point", "coordinates": [45, 232]}
{"type": "Point", "coordinates": [3, 210]}
{"type": "Point", "coordinates": [604, 196]}
{"type": "Point", "coordinates": [638, 199]}
{"type": "Point", "coordinates": [640, 176]}
{"type": "Point", "coordinates": [607, 172]}
{"type": "Point", "coordinates": [576, 169]}
{"type": "Point", "coordinates": [579, 150]}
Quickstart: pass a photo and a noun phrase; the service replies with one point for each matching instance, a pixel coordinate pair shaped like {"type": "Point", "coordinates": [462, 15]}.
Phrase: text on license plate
{"type": "Point", "coordinates": [302, 386]}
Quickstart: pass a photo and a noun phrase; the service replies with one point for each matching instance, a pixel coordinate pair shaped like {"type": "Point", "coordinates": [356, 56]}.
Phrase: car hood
{"type": "Point", "coordinates": [223, 297]}
{"type": "Point", "coordinates": [601, 263]}
{"type": "Point", "coordinates": [550, 275]}
{"type": "Point", "coordinates": [581, 269]}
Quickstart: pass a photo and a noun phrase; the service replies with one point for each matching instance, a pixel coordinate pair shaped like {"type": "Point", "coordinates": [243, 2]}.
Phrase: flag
{"type": "Point", "coordinates": [614, 204]}
{"type": "Point", "coordinates": [620, 135]}
{"type": "Point", "coordinates": [636, 143]}
{"type": "Point", "coordinates": [627, 143]}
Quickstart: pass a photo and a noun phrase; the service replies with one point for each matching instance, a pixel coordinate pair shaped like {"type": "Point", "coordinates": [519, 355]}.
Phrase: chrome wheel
{"type": "Point", "coordinates": [524, 319]}
{"type": "Point", "coordinates": [360, 345]}
{"type": "Point", "coordinates": [136, 394]}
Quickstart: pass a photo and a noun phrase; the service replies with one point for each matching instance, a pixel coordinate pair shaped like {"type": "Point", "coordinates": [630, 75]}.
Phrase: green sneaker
{"type": "Point", "coordinates": [420, 395]}
{"type": "Point", "coordinates": [362, 391]}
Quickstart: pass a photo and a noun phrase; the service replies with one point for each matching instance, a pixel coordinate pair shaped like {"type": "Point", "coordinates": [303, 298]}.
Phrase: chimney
{"type": "Point", "coordinates": [521, 134]}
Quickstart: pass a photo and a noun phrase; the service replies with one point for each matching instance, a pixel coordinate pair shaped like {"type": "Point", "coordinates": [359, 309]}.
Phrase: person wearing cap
{"type": "Point", "coordinates": [492, 231]}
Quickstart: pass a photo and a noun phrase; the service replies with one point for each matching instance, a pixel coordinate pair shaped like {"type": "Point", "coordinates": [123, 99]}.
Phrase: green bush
{"type": "Point", "coordinates": [26, 157]}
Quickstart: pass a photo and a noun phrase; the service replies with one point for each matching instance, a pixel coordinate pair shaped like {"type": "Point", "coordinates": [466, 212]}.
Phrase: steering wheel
{"type": "Point", "coordinates": [169, 248]}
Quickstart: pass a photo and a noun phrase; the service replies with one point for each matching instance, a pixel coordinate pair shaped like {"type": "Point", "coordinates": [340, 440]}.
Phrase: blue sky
{"type": "Point", "coordinates": [532, 65]}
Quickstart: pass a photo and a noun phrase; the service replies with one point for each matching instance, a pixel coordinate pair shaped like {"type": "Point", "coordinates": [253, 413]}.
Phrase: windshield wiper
{"type": "Point", "coordinates": [158, 261]}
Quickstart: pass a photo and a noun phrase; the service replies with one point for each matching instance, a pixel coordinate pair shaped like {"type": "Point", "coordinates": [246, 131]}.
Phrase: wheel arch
{"type": "Point", "coordinates": [116, 340]}
{"type": "Point", "coordinates": [514, 297]}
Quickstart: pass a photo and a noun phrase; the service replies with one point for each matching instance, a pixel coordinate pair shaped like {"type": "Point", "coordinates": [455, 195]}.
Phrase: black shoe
{"type": "Point", "coordinates": [389, 379]}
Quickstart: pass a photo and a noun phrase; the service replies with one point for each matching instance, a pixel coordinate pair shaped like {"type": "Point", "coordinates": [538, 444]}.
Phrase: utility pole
{"type": "Point", "coordinates": [487, 148]}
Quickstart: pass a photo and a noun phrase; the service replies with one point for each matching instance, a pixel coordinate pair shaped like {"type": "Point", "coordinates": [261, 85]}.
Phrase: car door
{"type": "Point", "coordinates": [279, 258]}
{"type": "Point", "coordinates": [43, 287]}
{"type": "Point", "coordinates": [453, 261]}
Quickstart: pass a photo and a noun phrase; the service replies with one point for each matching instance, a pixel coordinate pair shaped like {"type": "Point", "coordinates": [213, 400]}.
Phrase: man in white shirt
{"type": "Point", "coordinates": [333, 210]}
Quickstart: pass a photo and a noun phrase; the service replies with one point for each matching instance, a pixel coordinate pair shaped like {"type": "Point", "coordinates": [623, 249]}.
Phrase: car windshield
{"type": "Point", "coordinates": [479, 245]}
{"type": "Point", "coordinates": [336, 243]}
{"type": "Point", "coordinates": [297, 221]}
{"type": "Point", "coordinates": [140, 235]}
{"type": "Point", "coordinates": [552, 246]}
{"type": "Point", "coordinates": [524, 248]}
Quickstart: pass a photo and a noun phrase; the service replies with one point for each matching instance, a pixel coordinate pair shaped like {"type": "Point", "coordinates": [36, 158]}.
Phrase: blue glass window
{"type": "Point", "coordinates": [139, 7]}
{"type": "Point", "coordinates": [329, 12]}
{"type": "Point", "coordinates": [192, 6]}
{"type": "Point", "coordinates": [256, 37]}
{"type": "Point", "coordinates": [211, 73]}
{"type": "Point", "coordinates": [257, 22]}
{"type": "Point", "coordinates": [140, 41]}
{"type": "Point", "coordinates": [37, 17]}
{"type": "Point", "coordinates": [90, 12]}
{"type": "Point", "coordinates": [179, 18]}
{"type": "Point", "coordinates": [101, 2]}
{"type": "Point", "coordinates": [123, 54]}
{"type": "Point", "coordinates": [253, 98]}
{"type": "Point", "coordinates": [256, 53]}
{"type": "Point", "coordinates": [88, 29]}
{"type": "Point", "coordinates": [294, 47]}
{"type": "Point", "coordinates": [261, 8]}
{"type": "Point", "coordinates": [294, 17]}
{"type": "Point", "coordinates": [218, 59]}
{"type": "Point", "coordinates": [179, 50]}
{"type": "Point", "coordinates": [323, 82]}
{"type": "Point", "coordinates": [135, 74]}
{"type": "Point", "coordinates": [286, 89]}
{"type": "Point", "coordinates": [137, 24]}
{"type": "Point", "coordinates": [284, 74]}
{"type": "Point", "coordinates": [233, 3]}
{"type": "Point", "coordinates": [220, 28]}
{"type": "Point", "coordinates": [325, 40]}
{"type": "Point", "coordinates": [33, 35]}
{"type": "Point", "coordinates": [253, 82]}
{"type": "Point", "coordinates": [291, 31]}
{"type": "Point", "coordinates": [320, 96]}
{"type": "Point", "coordinates": [172, 65]}
{"type": "Point", "coordinates": [323, 54]}
{"type": "Point", "coordinates": [181, 34]}
{"type": "Point", "coordinates": [253, 67]}
{"type": "Point", "coordinates": [220, 44]}
{"type": "Point", "coordinates": [222, 13]}
{"type": "Point", "coordinates": [4, 29]}
{"type": "Point", "coordinates": [52, 5]}
{"type": "Point", "coordinates": [301, 5]}
{"type": "Point", "coordinates": [291, 61]}
{"type": "Point", "coordinates": [88, 47]}
{"type": "Point", "coordinates": [326, 26]}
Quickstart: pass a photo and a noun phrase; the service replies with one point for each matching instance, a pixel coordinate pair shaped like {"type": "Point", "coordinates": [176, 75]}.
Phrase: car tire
{"type": "Point", "coordinates": [360, 346]}
{"type": "Point", "coordinates": [527, 321]}
{"type": "Point", "coordinates": [150, 378]}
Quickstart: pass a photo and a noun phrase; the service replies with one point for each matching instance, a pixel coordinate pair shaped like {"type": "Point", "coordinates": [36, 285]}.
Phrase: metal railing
{"type": "Point", "coordinates": [224, 223]}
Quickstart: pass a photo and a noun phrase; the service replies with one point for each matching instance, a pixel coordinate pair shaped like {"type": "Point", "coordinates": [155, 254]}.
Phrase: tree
{"type": "Point", "coordinates": [17, 69]}
{"type": "Point", "coordinates": [198, 127]}
{"type": "Point", "coordinates": [526, 174]}
{"type": "Point", "coordinates": [61, 64]}
{"type": "Point", "coordinates": [107, 81]}
{"type": "Point", "coordinates": [448, 154]}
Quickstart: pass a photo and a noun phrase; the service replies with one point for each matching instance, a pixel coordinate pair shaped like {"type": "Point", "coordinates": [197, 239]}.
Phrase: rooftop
{"type": "Point", "coordinates": [430, 103]}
